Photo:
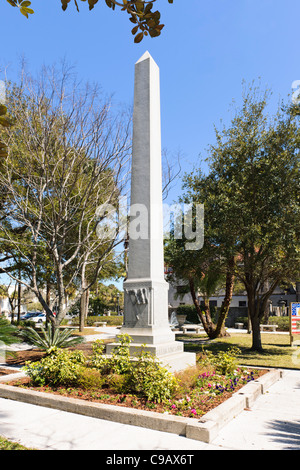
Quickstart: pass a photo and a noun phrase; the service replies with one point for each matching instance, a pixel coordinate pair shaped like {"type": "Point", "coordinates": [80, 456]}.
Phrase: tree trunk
{"type": "Point", "coordinates": [256, 335]}
{"type": "Point", "coordinates": [87, 301]}
{"type": "Point", "coordinates": [214, 331]}
{"type": "Point", "coordinates": [253, 309]}
{"type": "Point", "coordinates": [19, 299]}
{"type": "Point", "coordinates": [84, 304]}
{"type": "Point", "coordinates": [48, 293]}
{"type": "Point", "coordinates": [249, 323]}
{"type": "Point", "coordinates": [82, 312]}
{"type": "Point", "coordinates": [48, 300]}
{"type": "Point", "coordinates": [84, 299]}
{"type": "Point", "coordinates": [209, 327]}
{"type": "Point", "coordinates": [61, 301]}
{"type": "Point", "coordinates": [197, 306]}
{"type": "Point", "coordinates": [220, 329]}
{"type": "Point", "coordinates": [266, 307]}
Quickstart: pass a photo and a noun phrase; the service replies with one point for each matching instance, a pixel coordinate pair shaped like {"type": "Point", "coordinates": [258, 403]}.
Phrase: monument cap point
{"type": "Point", "coordinates": [145, 56]}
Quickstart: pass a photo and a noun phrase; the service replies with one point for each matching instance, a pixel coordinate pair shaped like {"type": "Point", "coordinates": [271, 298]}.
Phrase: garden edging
{"type": "Point", "coordinates": [205, 429]}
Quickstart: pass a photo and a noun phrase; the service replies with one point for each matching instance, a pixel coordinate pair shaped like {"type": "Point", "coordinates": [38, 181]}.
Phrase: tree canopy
{"type": "Point", "coordinates": [251, 199]}
{"type": "Point", "coordinates": [146, 21]}
{"type": "Point", "coordinates": [67, 154]}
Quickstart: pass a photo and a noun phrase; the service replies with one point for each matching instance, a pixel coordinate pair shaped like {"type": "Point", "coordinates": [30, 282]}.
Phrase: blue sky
{"type": "Point", "coordinates": [206, 50]}
{"type": "Point", "coordinates": [204, 53]}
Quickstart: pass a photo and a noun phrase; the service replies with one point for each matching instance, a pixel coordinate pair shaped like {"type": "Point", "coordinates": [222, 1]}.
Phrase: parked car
{"type": "Point", "coordinates": [29, 315]}
{"type": "Point", "coordinates": [40, 318]}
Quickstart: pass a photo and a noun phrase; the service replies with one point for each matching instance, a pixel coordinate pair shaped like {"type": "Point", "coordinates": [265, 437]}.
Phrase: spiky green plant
{"type": "Point", "coordinates": [50, 339]}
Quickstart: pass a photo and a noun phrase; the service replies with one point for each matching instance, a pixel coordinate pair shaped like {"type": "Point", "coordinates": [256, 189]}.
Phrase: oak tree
{"type": "Point", "coordinates": [251, 199]}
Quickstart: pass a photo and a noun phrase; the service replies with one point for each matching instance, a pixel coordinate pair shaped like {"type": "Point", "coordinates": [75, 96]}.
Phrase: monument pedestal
{"type": "Point", "coordinates": [146, 322]}
{"type": "Point", "coordinates": [169, 354]}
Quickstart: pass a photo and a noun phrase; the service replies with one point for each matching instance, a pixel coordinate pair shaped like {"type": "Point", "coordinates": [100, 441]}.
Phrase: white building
{"type": "Point", "coordinates": [279, 300]}
{"type": "Point", "coordinates": [5, 306]}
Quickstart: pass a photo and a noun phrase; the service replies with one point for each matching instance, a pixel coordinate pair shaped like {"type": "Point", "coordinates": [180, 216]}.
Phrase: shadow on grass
{"type": "Point", "coordinates": [269, 352]}
{"type": "Point", "coordinates": [278, 345]}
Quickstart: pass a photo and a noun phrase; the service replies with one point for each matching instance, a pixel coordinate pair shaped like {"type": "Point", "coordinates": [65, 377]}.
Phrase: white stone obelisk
{"type": "Point", "coordinates": [145, 289]}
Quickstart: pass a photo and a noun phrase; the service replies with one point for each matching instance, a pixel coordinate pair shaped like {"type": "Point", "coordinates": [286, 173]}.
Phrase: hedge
{"type": "Point", "coordinates": [190, 312]}
{"type": "Point", "coordinates": [282, 322]}
{"type": "Point", "coordinates": [112, 320]}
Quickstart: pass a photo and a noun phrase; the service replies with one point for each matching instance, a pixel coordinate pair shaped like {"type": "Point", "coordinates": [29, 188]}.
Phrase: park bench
{"type": "Point", "coordinates": [239, 326]}
{"type": "Point", "coordinates": [100, 323]}
{"type": "Point", "coordinates": [268, 327]}
{"type": "Point", "coordinates": [192, 329]}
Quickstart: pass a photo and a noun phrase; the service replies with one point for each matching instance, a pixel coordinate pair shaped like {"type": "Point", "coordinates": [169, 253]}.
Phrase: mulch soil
{"type": "Point", "coordinates": [18, 358]}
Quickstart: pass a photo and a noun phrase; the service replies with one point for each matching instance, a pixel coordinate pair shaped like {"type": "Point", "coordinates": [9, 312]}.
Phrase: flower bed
{"type": "Point", "coordinates": [143, 384]}
{"type": "Point", "coordinates": [193, 405]}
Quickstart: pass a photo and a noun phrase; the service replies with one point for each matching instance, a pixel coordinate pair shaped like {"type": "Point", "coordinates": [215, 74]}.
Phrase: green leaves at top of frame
{"type": "Point", "coordinates": [140, 13]}
{"type": "Point", "coordinates": [147, 21]}
{"type": "Point", "coordinates": [23, 6]}
{"type": "Point", "coordinates": [91, 3]}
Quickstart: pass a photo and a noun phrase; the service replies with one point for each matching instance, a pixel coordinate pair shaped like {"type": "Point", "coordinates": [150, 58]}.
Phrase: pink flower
{"type": "Point", "coordinates": [193, 411]}
{"type": "Point", "coordinates": [173, 406]}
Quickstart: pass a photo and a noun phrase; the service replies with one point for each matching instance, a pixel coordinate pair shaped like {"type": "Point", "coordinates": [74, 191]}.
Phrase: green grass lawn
{"type": "Point", "coordinates": [5, 444]}
{"type": "Point", "coordinates": [277, 350]}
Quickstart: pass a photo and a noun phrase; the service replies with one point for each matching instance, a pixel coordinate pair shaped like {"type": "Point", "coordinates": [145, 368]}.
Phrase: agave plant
{"type": "Point", "coordinates": [49, 340]}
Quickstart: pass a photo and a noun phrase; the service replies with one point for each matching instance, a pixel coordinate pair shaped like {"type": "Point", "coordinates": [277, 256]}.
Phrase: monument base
{"type": "Point", "coordinates": [179, 361]}
{"type": "Point", "coordinates": [161, 345]}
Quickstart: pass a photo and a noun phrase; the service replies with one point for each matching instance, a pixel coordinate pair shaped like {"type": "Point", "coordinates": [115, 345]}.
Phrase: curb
{"type": "Point", "coordinates": [208, 427]}
{"type": "Point", "coordinates": [205, 429]}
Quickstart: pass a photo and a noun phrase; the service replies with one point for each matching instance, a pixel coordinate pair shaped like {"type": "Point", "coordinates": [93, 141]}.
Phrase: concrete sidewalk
{"type": "Point", "coordinates": [273, 423]}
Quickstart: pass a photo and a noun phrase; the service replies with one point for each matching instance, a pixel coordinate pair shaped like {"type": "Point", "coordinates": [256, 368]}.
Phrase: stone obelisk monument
{"type": "Point", "coordinates": [145, 289]}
